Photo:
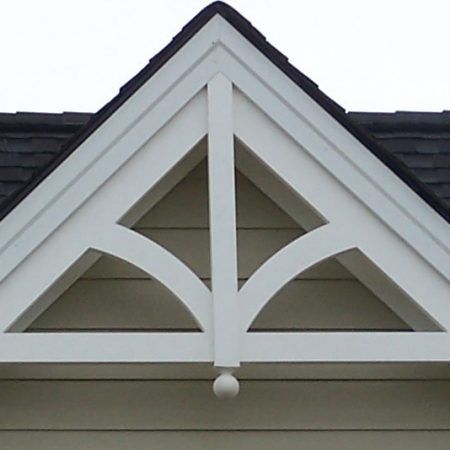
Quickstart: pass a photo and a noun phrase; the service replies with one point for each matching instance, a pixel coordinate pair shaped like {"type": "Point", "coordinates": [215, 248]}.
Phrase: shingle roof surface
{"type": "Point", "coordinates": [29, 141]}
{"type": "Point", "coordinates": [15, 186]}
{"type": "Point", "coordinates": [420, 140]}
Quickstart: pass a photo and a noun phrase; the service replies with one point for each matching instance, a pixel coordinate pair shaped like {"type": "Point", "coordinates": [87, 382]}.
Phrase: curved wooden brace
{"type": "Point", "coordinates": [425, 303]}
{"type": "Point", "coordinates": [162, 265]}
{"type": "Point", "coordinates": [283, 266]}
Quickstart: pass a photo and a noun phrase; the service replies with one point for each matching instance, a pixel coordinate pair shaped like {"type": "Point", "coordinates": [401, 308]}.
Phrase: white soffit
{"type": "Point", "coordinates": [220, 85]}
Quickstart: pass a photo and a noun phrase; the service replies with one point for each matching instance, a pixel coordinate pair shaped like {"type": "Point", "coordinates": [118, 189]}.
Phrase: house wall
{"type": "Point", "coordinates": [115, 295]}
{"type": "Point", "coordinates": [185, 414]}
{"type": "Point", "coordinates": [302, 411]}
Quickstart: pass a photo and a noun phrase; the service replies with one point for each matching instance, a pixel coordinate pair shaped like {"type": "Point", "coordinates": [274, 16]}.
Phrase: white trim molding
{"type": "Point", "coordinates": [222, 222]}
{"type": "Point", "coordinates": [220, 90]}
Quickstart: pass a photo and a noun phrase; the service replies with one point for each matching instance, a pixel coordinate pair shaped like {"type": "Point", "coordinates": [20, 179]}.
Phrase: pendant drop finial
{"type": "Point", "coordinates": [226, 385]}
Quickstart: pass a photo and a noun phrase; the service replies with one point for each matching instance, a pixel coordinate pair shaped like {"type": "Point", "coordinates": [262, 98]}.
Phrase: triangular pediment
{"type": "Point", "coordinates": [223, 97]}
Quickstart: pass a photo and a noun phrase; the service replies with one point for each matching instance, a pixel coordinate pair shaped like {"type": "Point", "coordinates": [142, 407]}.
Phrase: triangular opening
{"type": "Point", "coordinates": [264, 226]}
{"type": "Point", "coordinates": [114, 296]}
{"type": "Point", "coordinates": [328, 297]}
{"type": "Point", "coordinates": [179, 220]}
{"type": "Point", "coordinates": [100, 292]}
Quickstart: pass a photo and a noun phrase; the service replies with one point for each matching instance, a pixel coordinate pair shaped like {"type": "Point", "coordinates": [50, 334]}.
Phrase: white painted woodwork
{"type": "Point", "coordinates": [253, 209]}
{"type": "Point", "coordinates": [286, 264]}
{"type": "Point", "coordinates": [165, 185]}
{"type": "Point", "coordinates": [256, 347]}
{"type": "Point", "coordinates": [219, 85]}
{"type": "Point", "coordinates": [338, 150]}
{"type": "Point", "coordinates": [163, 266]}
{"type": "Point", "coordinates": [114, 295]}
{"type": "Point", "coordinates": [293, 205]}
{"type": "Point", "coordinates": [319, 188]}
{"type": "Point", "coordinates": [254, 253]}
{"type": "Point", "coordinates": [219, 47]}
{"type": "Point", "coordinates": [254, 246]}
{"type": "Point", "coordinates": [115, 305]}
{"type": "Point", "coordinates": [326, 305]}
{"type": "Point", "coordinates": [382, 287]}
{"type": "Point", "coordinates": [121, 304]}
{"type": "Point", "coordinates": [326, 297]}
{"type": "Point", "coordinates": [346, 347]}
{"type": "Point", "coordinates": [66, 246]}
{"type": "Point", "coordinates": [126, 364]}
{"type": "Point", "coordinates": [354, 261]}
{"type": "Point", "coordinates": [222, 223]}
{"type": "Point", "coordinates": [121, 347]}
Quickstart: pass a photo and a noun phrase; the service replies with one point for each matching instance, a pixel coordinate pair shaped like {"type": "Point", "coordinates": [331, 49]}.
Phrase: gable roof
{"type": "Point", "coordinates": [221, 90]}
{"type": "Point", "coordinates": [28, 144]}
{"type": "Point", "coordinates": [420, 140]}
{"type": "Point", "coordinates": [278, 59]}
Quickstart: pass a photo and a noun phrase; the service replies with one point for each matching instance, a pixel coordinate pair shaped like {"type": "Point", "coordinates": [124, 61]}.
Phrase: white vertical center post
{"type": "Point", "coordinates": [222, 216]}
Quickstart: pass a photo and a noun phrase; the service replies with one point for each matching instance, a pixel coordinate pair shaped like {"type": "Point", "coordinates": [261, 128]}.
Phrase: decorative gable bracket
{"type": "Point", "coordinates": [218, 85]}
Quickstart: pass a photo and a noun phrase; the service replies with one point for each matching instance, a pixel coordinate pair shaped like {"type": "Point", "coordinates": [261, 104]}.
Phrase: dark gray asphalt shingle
{"type": "Point", "coordinates": [29, 141]}
{"type": "Point", "coordinates": [420, 140]}
{"type": "Point", "coordinates": [249, 32]}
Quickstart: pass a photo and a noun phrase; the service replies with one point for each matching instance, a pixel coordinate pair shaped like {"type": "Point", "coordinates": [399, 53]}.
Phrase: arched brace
{"type": "Point", "coordinates": [425, 301]}
{"type": "Point", "coordinates": [293, 259]}
{"type": "Point", "coordinates": [162, 265]}
{"type": "Point", "coordinates": [22, 303]}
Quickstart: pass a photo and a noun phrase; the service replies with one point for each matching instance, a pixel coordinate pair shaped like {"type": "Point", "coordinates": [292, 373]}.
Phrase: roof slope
{"type": "Point", "coordinates": [420, 140]}
{"type": "Point", "coordinates": [29, 141]}
{"type": "Point", "coordinates": [20, 180]}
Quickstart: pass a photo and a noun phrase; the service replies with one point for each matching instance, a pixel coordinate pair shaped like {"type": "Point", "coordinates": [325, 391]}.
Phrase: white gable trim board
{"type": "Point", "coordinates": [218, 47]}
{"type": "Point", "coordinates": [218, 85]}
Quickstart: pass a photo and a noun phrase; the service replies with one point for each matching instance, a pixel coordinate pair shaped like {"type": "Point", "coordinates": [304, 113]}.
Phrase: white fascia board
{"type": "Point", "coordinates": [344, 347]}
{"type": "Point", "coordinates": [336, 149]}
{"type": "Point", "coordinates": [362, 347]}
{"type": "Point", "coordinates": [175, 83]}
{"type": "Point", "coordinates": [93, 227]}
{"type": "Point", "coordinates": [304, 252]}
{"type": "Point", "coordinates": [222, 222]}
{"type": "Point", "coordinates": [93, 176]}
{"type": "Point", "coordinates": [105, 348]}
{"type": "Point", "coordinates": [109, 147]}
{"type": "Point", "coordinates": [351, 223]}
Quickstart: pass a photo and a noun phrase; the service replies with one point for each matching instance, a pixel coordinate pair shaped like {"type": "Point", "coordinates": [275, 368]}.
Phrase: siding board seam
{"type": "Point", "coordinates": [223, 430]}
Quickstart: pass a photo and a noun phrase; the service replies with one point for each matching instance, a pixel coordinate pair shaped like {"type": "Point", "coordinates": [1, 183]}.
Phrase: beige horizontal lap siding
{"type": "Point", "coordinates": [145, 304]}
{"type": "Point", "coordinates": [191, 245]}
{"type": "Point", "coordinates": [187, 204]}
{"type": "Point", "coordinates": [116, 295]}
{"type": "Point", "coordinates": [220, 440]}
{"type": "Point", "coordinates": [152, 411]}
{"type": "Point", "coordinates": [203, 371]}
{"type": "Point", "coordinates": [190, 405]}
{"type": "Point", "coordinates": [108, 268]}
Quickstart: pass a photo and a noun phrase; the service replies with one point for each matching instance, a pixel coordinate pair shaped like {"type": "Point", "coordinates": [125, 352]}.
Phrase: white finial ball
{"type": "Point", "coordinates": [226, 386]}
